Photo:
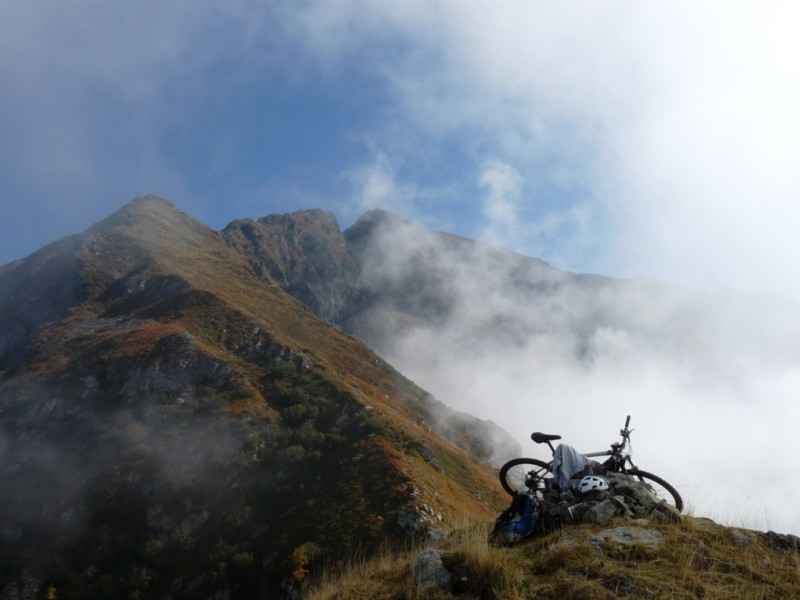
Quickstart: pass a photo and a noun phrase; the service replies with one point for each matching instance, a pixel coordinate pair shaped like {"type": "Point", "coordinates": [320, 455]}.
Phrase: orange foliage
{"type": "Point", "coordinates": [144, 338]}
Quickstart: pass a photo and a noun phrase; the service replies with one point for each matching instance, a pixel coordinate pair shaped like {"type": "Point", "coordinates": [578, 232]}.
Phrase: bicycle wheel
{"type": "Point", "coordinates": [661, 488]}
{"type": "Point", "coordinates": [523, 474]}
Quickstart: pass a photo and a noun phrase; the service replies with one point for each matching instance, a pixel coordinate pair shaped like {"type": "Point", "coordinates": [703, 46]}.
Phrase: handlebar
{"type": "Point", "coordinates": [627, 421]}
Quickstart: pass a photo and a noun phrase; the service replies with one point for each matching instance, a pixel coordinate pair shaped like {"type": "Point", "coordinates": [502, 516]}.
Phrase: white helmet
{"type": "Point", "coordinates": [592, 483]}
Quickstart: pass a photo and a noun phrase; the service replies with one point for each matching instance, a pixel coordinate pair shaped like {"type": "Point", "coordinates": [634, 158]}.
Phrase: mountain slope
{"type": "Point", "coordinates": [174, 424]}
{"type": "Point", "coordinates": [395, 279]}
{"type": "Point", "coordinates": [329, 272]}
{"type": "Point", "coordinates": [512, 339]}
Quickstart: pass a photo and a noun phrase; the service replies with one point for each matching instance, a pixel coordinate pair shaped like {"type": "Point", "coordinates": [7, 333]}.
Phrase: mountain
{"type": "Point", "coordinates": [173, 424]}
{"type": "Point", "coordinates": [385, 279]}
{"type": "Point", "coordinates": [530, 347]}
{"type": "Point", "coordinates": [467, 320]}
{"type": "Point", "coordinates": [342, 278]}
{"type": "Point", "coordinates": [189, 413]}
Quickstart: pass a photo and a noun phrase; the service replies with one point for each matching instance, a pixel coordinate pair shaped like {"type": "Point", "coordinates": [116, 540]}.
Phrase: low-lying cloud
{"type": "Point", "coordinates": [709, 380]}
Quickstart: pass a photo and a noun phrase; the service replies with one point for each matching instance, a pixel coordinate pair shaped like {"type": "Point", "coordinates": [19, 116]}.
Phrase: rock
{"type": "Point", "coordinates": [418, 520]}
{"type": "Point", "coordinates": [575, 512]}
{"type": "Point", "coordinates": [629, 497]}
{"type": "Point", "coordinates": [412, 520]}
{"type": "Point", "coordinates": [627, 536]}
{"type": "Point", "coordinates": [666, 512]}
{"type": "Point", "coordinates": [645, 497]}
{"type": "Point", "coordinates": [435, 537]}
{"type": "Point", "coordinates": [741, 539]}
{"type": "Point", "coordinates": [622, 507]}
{"type": "Point", "coordinates": [781, 541]}
{"type": "Point", "coordinates": [600, 513]}
{"type": "Point", "coordinates": [429, 571]}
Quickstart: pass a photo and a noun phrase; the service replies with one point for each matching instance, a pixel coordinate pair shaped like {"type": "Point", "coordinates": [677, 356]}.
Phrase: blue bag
{"type": "Point", "coordinates": [516, 522]}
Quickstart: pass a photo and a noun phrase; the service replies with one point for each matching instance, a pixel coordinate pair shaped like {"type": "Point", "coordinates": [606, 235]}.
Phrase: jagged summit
{"type": "Point", "coordinates": [304, 251]}
{"type": "Point", "coordinates": [315, 217]}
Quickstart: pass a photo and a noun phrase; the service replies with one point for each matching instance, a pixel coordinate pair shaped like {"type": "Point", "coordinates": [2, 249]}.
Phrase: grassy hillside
{"type": "Point", "coordinates": [174, 425]}
{"type": "Point", "coordinates": [695, 558]}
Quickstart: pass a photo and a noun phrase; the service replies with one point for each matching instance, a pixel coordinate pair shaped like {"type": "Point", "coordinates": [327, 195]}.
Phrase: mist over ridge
{"type": "Point", "coordinates": [710, 379]}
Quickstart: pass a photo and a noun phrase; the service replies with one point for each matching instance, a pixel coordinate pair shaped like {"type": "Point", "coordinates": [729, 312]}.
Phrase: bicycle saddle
{"type": "Point", "coordinates": [541, 438]}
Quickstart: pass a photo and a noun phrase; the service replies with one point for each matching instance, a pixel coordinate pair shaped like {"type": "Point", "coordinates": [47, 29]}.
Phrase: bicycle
{"type": "Point", "coordinates": [537, 477]}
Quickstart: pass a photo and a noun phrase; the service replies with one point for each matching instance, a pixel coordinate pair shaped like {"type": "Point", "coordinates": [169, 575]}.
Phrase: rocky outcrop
{"type": "Point", "coordinates": [627, 496]}
{"type": "Point", "coordinates": [429, 571]}
{"type": "Point", "coordinates": [306, 253]}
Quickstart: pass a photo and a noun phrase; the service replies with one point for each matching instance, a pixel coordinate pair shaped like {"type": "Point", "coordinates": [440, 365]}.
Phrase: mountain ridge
{"type": "Point", "coordinates": [516, 341]}
{"type": "Point", "coordinates": [167, 423]}
{"type": "Point", "coordinates": [174, 400]}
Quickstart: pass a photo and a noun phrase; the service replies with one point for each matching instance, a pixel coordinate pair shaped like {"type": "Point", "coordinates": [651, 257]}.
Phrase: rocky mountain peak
{"type": "Point", "coordinates": [313, 219]}
{"type": "Point", "coordinates": [305, 252]}
{"type": "Point", "coordinates": [173, 423]}
{"type": "Point", "coordinates": [138, 210]}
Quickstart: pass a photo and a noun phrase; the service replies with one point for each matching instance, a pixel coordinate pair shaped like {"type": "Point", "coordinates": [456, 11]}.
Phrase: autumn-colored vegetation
{"type": "Point", "coordinates": [185, 428]}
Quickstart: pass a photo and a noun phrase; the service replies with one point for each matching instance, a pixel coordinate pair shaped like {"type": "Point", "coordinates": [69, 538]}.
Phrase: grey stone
{"type": "Point", "coordinates": [435, 537]}
{"type": "Point", "coordinates": [666, 512]}
{"type": "Point", "coordinates": [645, 497]}
{"type": "Point", "coordinates": [626, 536]}
{"type": "Point", "coordinates": [575, 512]}
{"type": "Point", "coordinates": [621, 505]}
{"type": "Point", "coordinates": [410, 519]}
{"type": "Point", "coordinates": [741, 539]}
{"type": "Point", "coordinates": [429, 571]}
{"type": "Point", "coordinates": [600, 513]}
{"type": "Point", "coordinates": [781, 541]}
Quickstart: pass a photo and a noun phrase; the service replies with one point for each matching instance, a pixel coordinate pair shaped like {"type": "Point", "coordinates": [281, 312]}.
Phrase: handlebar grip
{"type": "Point", "coordinates": [627, 421]}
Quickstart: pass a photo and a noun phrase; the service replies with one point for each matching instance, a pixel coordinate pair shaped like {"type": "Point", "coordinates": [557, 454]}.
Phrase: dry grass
{"type": "Point", "coordinates": [493, 574]}
{"type": "Point", "coordinates": [386, 575]}
{"type": "Point", "coordinates": [696, 559]}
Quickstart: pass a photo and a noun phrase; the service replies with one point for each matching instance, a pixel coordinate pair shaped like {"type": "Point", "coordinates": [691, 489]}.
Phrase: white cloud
{"type": "Point", "coordinates": [377, 185]}
{"type": "Point", "coordinates": [719, 441]}
{"type": "Point", "coordinates": [709, 380]}
{"type": "Point", "coordinates": [679, 117]}
{"type": "Point", "coordinates": [502, 184]}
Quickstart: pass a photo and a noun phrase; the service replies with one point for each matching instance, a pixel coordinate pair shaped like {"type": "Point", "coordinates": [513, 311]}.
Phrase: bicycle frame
{"type": "Point", "coordinates": [618, 455]}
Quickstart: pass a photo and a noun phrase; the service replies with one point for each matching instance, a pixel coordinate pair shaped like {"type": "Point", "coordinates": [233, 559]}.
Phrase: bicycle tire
{"type": "Point", "coordinates": [662, 488]}
{"type": "Point", "coordinates": [524, 473]}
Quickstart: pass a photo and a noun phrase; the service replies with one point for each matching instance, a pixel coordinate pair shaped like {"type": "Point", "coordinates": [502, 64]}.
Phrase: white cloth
{"type": "Point", "coordinates": [566, 462]}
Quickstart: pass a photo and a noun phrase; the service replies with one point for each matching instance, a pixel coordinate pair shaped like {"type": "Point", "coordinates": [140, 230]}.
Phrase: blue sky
{"type": "Point", "coordinates": [625, 138]}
